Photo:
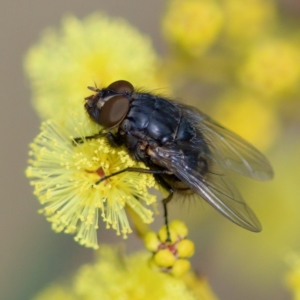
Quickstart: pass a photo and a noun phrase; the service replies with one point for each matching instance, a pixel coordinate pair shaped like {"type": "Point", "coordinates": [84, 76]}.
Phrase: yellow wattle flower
{"type": "Point", "coordinates": [116, 276]}
{"type": "Point", "coordinates": [250, 117]}
{"type": "Point", "coordinates": [192, 25]}
{"type": "Point", "coordinates": [272, 69]}
{"type": "Point", "coordinates": [292, 278]}
{"type": "Point", "coordinates": [95, 50]}
{"type": "Point", "coordinates": [64, 175]}
{"type": "Point", "coordinates": [245, 21]}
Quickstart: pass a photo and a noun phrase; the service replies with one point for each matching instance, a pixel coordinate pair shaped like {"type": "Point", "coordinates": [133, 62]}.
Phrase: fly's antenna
{"type": "Point", "coordinates": [94, 89]}
{"type": "Point", "coordinates": [95, 83]}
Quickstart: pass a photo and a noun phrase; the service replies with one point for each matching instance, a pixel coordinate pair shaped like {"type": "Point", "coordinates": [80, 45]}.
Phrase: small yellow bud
{"type": "Point", "coordinates": [180, 267]}
{"type": "Point", "coordinates": [164, 258]}
{"type": "Point", "coordinates": [179, 227]}
{"type": "Point", "coordinates": [151, 241]}
{"type": "Point", "coordinates": [162, 234]}
{"type": "Point", "coordinates": [185, 248]}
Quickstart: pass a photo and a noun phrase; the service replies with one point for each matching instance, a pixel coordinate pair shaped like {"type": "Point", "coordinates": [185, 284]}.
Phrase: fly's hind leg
{"type": "Point", "coordinates": [165, 201]}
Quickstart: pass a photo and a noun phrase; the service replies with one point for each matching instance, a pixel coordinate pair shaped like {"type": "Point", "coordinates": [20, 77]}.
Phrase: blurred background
{"type": "Point", "coordinates": [237, 61]}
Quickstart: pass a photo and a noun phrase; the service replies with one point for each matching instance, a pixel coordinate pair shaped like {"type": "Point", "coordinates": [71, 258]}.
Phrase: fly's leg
{"type": "Point", "coordinates": [114, 140]}
{"type": "Point", "coordinates": [80, 140]}
{"type": "Point", "coordinates": [165, 201]}
{"type": "Point", "coordinates": [129, 169]}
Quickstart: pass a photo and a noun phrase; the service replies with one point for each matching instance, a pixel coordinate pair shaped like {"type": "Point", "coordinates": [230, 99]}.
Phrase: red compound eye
{"type": "Point", "coordinates": [113, 111]}
{"type": "Point", "coordinates": [121, 87]}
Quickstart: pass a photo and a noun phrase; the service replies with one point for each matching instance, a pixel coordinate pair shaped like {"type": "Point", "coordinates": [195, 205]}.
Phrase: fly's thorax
{"type": "Point", "coordinates": [157, 118]}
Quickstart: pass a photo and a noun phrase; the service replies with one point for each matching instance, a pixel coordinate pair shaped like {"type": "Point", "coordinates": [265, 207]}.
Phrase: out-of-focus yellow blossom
{"type": "Point", "coordinates": [96, 50]}
{"type": "Point", "coordinates": [293, 276]}
{"type": "Point", "coordinates": [272, 68]}
{"type": "Point", "coordinates": [248, 116]}
{"type": "Point", "coordinates": [199, 286]}
{"type": "Point", "coordinates": [117, 277]}
{"type": "Point", "coordinates": [245, 21]}
{"type": "Point", "coordinates": [259, 257]}
{"type": "Point", "coordinates": [57, 292]}
{"type": "Point", "coordinates": [170, 255]}
{"type": "Point", "coordinates": [192, 25]}
{"type": "Point", "coordinates": [65, 175]}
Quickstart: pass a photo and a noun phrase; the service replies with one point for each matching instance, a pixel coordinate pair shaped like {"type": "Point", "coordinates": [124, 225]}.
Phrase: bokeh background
{"type": "Point", "coordinates": [221, 80]}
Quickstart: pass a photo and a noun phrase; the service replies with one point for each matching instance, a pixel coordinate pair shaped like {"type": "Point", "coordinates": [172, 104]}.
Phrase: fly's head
{"type": "Point", "coordinates": [109, 106]}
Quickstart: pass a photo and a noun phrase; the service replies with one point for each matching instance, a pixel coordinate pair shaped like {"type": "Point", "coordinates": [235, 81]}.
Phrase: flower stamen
{"type": "Point", "coordinates": [65, 180]}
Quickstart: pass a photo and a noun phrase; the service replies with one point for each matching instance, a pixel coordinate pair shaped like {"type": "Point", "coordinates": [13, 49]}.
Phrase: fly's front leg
{"type": "Point", "coordinates": [114, 140]}
{"type": "Point", "coordinates": [80, 140]}
{"type": "Point", "coordinates": [130, 169]}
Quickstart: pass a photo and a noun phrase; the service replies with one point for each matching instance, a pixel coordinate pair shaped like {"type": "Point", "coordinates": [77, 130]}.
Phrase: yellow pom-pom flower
{"type": "Point", "coordinates": [250, 117]}
{"type": "Point", "coordinates": [170, 250]}
{"type": "Point", "coordinates": [272, 68]}
{"type": "Point", "coordinates": [293, 276]}
{"type": "Point", "coordinates": [96, 50]}
{"type": "Point", "coordinates": [65, 176]}
{"type": "Point", "coordinates": [247, 20]}
{"type": "Point", "coordinates": [192, 25]}
{"type": "Point", "coordinates": [115, 276]}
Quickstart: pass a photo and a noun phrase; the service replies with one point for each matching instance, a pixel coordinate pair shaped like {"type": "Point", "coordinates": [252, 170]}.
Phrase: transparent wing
{"type": "Point", "coordinates": [228, 149]}
{"type": "Point", "coordinates": [214, 187]}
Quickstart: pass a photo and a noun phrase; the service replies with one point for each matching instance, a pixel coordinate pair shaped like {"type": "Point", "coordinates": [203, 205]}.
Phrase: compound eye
{"type": "Point", "coordinates": [113, 111]}
{"type": "Point", "coordinates": [121, 87]}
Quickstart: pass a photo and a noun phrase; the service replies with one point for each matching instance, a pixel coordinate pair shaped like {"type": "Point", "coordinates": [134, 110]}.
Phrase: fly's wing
{"type": "Point", "coordinates": [213, 186]}
{"type": "Point", "coordinates": [228, 149]}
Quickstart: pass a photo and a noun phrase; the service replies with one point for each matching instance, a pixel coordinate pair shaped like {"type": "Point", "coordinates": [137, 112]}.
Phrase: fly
{"type": "Point", "coordinates": [186, 151]}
